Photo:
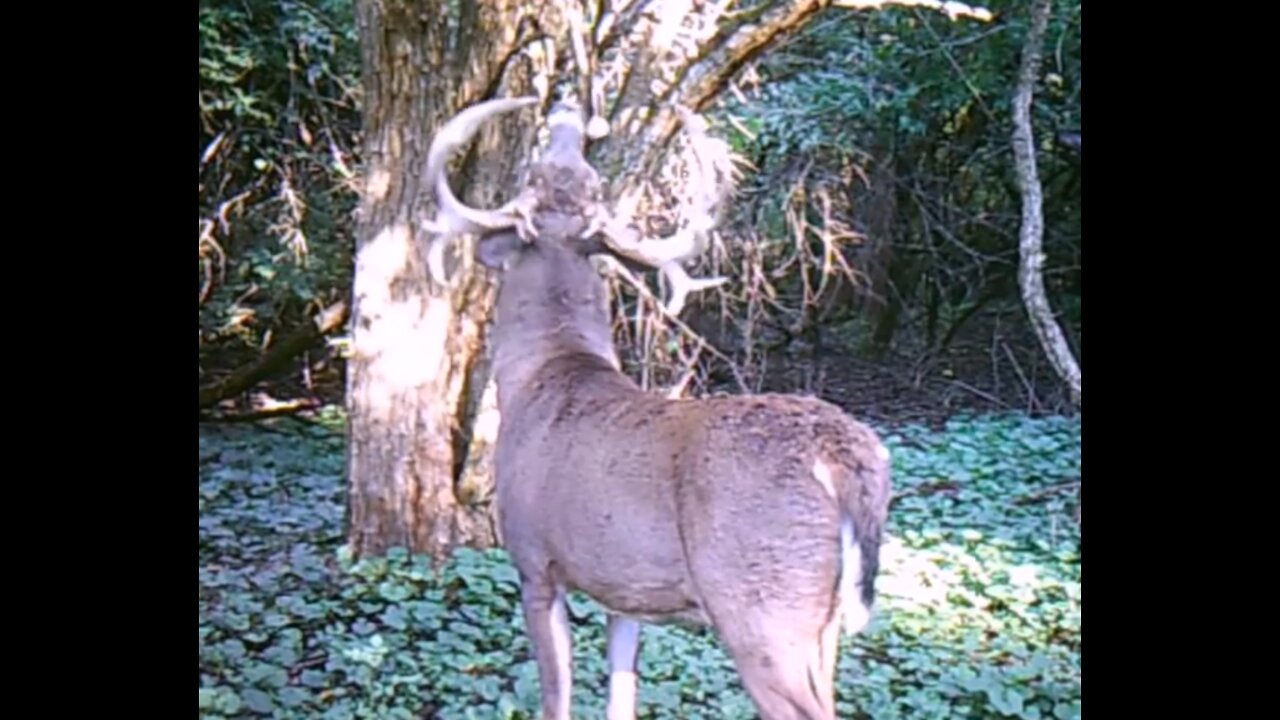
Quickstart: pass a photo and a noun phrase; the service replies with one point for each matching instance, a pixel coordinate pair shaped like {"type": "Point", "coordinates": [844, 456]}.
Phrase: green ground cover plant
{"type": "Point", "coordinates": [978, 614]}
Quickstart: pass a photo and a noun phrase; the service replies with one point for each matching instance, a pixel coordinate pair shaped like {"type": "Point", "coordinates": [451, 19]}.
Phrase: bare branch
{"type": "Point", "coordinates": [264, 409]}
{"type": "Point", "coordinates": [327, 321]}
{"type": "Point", "coordinates": [680, 325]}
{"type": "Point", "coordinates": [954, 10]}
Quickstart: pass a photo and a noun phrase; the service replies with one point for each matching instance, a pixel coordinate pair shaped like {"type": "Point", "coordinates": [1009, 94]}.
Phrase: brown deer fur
{"type": "Point", "coordinates": [759, 515]}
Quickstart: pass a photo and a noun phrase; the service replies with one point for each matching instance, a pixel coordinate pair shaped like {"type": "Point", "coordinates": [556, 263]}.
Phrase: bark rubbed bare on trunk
{"type": "Point", "coordinates": [418, 347]}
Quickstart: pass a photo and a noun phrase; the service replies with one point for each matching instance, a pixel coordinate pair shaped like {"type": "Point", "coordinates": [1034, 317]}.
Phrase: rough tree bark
{"type": "Point", "coordinates": [419, 392]}
{"type": "Point", "coordinates": [416, 370]}
{"type": "Point", "coordinates": [1030, 236]}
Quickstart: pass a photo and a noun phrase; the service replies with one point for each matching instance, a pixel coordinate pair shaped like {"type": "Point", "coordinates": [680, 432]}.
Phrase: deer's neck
{"type": "Point", "coordinates": [551, 304]}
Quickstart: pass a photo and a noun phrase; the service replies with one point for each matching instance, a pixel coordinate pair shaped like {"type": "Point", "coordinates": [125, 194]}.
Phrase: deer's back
{"type": "Point", "coordinates": [596, 476]}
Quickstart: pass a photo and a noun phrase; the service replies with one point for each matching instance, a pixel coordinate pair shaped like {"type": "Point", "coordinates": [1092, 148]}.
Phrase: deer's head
{"type": "Point", "coordinates": [562, 203]}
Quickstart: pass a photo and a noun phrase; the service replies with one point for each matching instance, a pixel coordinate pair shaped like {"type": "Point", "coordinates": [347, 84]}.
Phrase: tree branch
{"type": "Point", "coordinates": [274, 410]}
{"type": "Point", "coordinates": [712, 72]}
{"type": "Point", "coordinates": [644, 120]}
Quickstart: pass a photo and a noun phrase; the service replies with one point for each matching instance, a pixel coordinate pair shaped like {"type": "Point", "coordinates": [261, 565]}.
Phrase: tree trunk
{"type": "Point", "coordinates": [417, 368]}
{"type": "Point", "coordinates": [1030, 237]}
{"type": "Point", "coordinates": [419, 395]}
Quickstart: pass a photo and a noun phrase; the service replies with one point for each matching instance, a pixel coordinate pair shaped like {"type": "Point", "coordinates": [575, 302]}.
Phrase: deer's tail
{"type": "Point", "coordinates": [864, 497]}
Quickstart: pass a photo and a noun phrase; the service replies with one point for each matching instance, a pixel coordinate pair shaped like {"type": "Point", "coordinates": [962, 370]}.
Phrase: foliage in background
{"type": "Point", "coordinates": [885, 135]}
{"type": "Point", "coordinates": [882, 205]}
{"type": "Point", "coordinates": [278, 121]}
{"type": "Point", "coordinates": [979, 610]}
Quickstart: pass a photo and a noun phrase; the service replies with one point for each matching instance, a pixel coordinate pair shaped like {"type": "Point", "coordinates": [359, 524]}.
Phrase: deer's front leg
{"type": "Point", "coordinates": [624, 648]}
{"type": "Point", "coordinates": [547, 620]}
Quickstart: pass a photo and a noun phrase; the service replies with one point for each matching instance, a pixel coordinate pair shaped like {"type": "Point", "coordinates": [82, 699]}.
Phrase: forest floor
{"type": "Point", "coordinates": [978, 610]}
{"type": "Point", "coordinates": [973, 377]}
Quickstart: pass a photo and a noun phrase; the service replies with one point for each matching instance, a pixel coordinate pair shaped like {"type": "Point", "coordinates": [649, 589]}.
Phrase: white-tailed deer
{"type": "Point", "coordinates": [759, 515]}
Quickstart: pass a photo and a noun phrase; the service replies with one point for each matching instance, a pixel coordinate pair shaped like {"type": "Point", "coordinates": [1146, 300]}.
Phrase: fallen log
{"type": "Point", "coordinates": [277, 358]}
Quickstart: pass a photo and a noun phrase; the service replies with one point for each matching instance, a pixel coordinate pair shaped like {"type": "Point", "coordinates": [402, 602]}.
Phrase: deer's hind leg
{"type": "Point", "coordinates": [773, 600]}
{"type": "Point", "coordinates": [764, 557]}
{"type": "Point", "coordinates": [782, 634]}
{"type": "Point", "coordinates": [547, 620]}
{"type": "Point", "coordinates": [623, 650]}
{"type": "Point", "coordinates": [788, 672]}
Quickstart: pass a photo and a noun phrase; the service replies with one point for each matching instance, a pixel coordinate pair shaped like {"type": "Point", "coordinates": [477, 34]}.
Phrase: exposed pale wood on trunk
{"type": "Point", "coordinates": [418, 347]}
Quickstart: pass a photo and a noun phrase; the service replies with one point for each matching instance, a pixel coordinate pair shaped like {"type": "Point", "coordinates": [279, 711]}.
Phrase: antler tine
{"type": "Point", "coordinates": [665, 255]}
{"type": "Point", "coordinates": [456, 217]}
{"type": "Point", "coordinates": [692, 240]}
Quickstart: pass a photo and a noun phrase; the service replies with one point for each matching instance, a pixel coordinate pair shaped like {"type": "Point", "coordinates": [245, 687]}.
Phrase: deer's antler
{"type": "Point", "coordinates": [706, 190]}
{"type": "Point", "coordinates": [456, 217]}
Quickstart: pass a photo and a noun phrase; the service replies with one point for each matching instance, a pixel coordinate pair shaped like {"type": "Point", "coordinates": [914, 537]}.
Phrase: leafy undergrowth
{"type": "Point", "coordinates": [978, 616]}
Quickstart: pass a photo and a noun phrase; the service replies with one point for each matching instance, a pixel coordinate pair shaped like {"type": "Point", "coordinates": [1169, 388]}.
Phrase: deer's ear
{"type": "Point", "coordinates": [494, 249]}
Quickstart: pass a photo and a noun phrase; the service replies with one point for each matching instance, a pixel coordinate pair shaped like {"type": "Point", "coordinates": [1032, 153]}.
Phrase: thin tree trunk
{"type": "Point", "coordinates": [880, 206]}
{"type": "Point", "coordinates": [1030, 236]}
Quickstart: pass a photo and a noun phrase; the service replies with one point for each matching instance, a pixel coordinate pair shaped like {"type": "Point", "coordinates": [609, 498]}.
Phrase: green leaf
{"type": "Point", "coordinates": [258, 701]}
{"type": "Point", "coordinates": [266, 675]}
{"type": "Point", "coordinates": [293, 697]}
{"type": "Point", "coordinates": [394, 618]}
{"type": "Point", "coordinates": [1067, 710]}
{"type": "Point", "coordinates": [394, 591]}
{"type": "Point", "coordinates": [313, 678]}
